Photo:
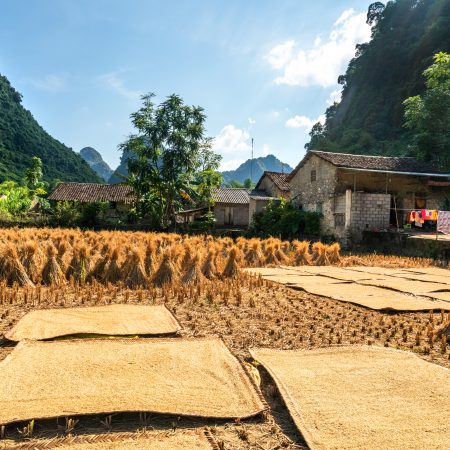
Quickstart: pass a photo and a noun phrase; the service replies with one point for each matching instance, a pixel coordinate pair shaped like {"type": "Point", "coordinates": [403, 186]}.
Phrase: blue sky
{"type": "Point", "coordinates": [261, 69]}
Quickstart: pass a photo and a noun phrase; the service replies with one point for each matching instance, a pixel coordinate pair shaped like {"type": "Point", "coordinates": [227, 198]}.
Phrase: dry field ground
{"type": "Point", "coordinates": [199, 282]}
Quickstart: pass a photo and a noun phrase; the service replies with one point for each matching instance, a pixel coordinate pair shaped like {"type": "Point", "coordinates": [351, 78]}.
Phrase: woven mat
{"type": "Point", "coordinates": [105, 320]}
{"type": "Point", "coordinates": [363, 397]}
{"type": "Point", "coordinates": [147, 440]}
{"type": "Point", "coordinates": [193, 377]}
{"type": "Point", "coordinates": [358, 292]}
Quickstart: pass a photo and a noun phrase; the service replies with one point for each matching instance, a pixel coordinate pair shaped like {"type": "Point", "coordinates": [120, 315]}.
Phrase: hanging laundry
{"type": "Point", "coordinates": [443, 222]}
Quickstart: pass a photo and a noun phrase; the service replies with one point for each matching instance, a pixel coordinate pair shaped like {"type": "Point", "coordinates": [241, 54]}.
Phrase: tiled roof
{"type": "Point", "coordinates": [278, 178]}
{"type": "Point", "coordinates": [231, 195]}
{"type": "Point", "coordinates": [239, 196]}
{"type": "Point", "coordinates": [401, 164]}
{"type": "Point", "coordinates": [92, 192]}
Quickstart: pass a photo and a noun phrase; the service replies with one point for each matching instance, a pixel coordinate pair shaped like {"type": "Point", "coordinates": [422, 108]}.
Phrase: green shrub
{"type": "Point", "coordinates": [281, 218]}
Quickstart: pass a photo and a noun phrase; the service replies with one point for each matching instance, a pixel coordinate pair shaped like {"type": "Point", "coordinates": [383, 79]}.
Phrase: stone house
{"type": "Point", "coordinates": [361, 192]}
{"type": "Point", "coordinates": [236, 206]}
{"type": "Point", "coordinates": [275, 184]}
{"type": "Point", "coordinates": [119, 197]}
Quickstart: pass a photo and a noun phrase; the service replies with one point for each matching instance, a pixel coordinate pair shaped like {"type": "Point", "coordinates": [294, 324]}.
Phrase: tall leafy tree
{"type": "Point", "coordinates": [33, 177]}
{"type": "Point", "coordinates": [428, 115]}
{"type": "Point", "coordinates": [170, 151]}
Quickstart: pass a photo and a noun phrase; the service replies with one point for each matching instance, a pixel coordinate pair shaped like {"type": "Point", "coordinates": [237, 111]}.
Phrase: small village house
{"type": "Point", "coordinates": [236, 207]}
{"type": "Point", "coordinates": [118, 196]}
{"type": "Point", "coordinates": [360, 192]}
{"type": "Point", "coordinates": [275, 184]}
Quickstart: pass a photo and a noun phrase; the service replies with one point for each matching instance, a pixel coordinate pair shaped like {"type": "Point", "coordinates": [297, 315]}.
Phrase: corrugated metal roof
{"type": "Point", "coordinates": [278, 178]}
{"type": "Point", "coordinates": [92, 192]}
{"type": "Point", "coordinates": [400, 164]}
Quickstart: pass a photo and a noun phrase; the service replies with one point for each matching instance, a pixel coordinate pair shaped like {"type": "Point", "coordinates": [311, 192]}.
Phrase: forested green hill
{"type": "Point", "coordinates": [387, 70]}
{"type": "Point", "coordinates": [21, 138]}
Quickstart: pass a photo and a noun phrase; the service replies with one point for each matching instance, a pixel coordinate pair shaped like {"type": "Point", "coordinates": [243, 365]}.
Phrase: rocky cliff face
{"type": "Point", "coordinates": [95, 161]}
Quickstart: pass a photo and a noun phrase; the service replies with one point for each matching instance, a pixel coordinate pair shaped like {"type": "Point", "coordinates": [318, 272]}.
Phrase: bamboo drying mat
{"type": "Point", "coordinates": [357, 292]}
{"type": "Point", "coordinates": [362, 397]}
{"type": "Point", "coordinates": [146, 440]}
{"type": "Point", "coordinates": [102, 320]}
{"type": "Point", "coordinates": [193, 377]}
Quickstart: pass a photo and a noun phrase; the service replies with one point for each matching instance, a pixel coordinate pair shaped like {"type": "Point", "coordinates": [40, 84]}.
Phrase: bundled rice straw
{"type": "Point", "coordinates": [52, 273]}
{"type": "Point", "coordinates": [113, 273]}
{"type": "Point", "coordinates": [232, 267]}
{"type": "Point", "coordinates": [333, 253]}
{"type": "Point", "coordinates": [16, 271]}
{"type": "Point", "coordinates": [271, 257]}
{"type": "Point", "coordinates": [209, 269]}
{"type": "Point", "coordinates": [136, 276]}
{"type": "Point", "coordinates": [79, 265]}
{"type": "Point", "coordinates": [254, 256]}
{"type": "Point", "coordinates": [149, 261]}
{"type": "Point", "coordinates": [319, 254]}
{"type": "Point", "coordinates": [166, 272]}
{"type": "Point", "coordinates": [193, 273]}
{"type": "Point", "coordinates": [302, 256]}
{"type": "Point", "coordinates": [30, 260]}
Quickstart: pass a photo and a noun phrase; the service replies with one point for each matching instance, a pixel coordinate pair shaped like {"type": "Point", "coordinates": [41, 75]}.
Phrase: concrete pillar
{"type": "Point", "coordinates": [348, 209]}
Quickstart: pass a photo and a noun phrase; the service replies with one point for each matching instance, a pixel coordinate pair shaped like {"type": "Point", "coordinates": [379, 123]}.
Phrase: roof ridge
{"type": "Point", "coordinates": [360, 154]}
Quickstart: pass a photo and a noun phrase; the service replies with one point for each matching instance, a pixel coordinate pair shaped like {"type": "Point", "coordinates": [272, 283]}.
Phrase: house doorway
{"type": "Point", "coordinates": [396, 215]}
{"type": "Point", "coordinates": [228, 216]}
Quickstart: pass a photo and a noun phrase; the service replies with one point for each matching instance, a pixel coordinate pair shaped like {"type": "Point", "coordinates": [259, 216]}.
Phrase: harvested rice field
{"type": "Point", "coordinates": [200, 282]}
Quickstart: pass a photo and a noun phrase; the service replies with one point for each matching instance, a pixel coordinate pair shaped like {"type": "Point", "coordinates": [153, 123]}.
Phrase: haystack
{"type": "Point", "coordinates": [136, 277]}
{"type": "Point", "coordinates": [16, 272]}
{"type": "Point", "coordinates": [271, 257]}
{"type": "Point", "coordinates": [167, 272]}
{"type": "Point", "coordinates": [52, 273]}
{"type": "Point", "coordinates": [319, 254]}
{"type": "Point", "coordinates": [254, 256]}
{"type": "Point", "coordinates": [333, 253]}
{"type": "Point", "coordinates": [280, 255]}
{"type": "Point", "coordinates": [209, 269]}
{"type": "Point", "coordinates": [302, 256]}
{"type": "Point", "coordinates": [113, 273]}
{"type": "Point", "coordinates": [31, 260]}
{"type": "Point", "coordinates": [193, 273]}
{"type": "Point", "coordinates": [149, 260]}
{"type": "Point", "coordinates": [232, 267]}
{"type": "Point", "coordinates": [79, 265]}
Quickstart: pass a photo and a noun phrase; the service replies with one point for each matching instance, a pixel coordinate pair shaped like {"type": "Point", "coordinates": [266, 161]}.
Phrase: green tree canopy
{"type": "Point", "coordinates": [428, 115]}
{"type": "Point", "coordinates": [173, 157]}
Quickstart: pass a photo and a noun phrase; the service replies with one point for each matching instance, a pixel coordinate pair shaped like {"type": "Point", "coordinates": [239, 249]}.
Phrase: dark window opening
{"type": "Point", "coordinates": [313, 175]}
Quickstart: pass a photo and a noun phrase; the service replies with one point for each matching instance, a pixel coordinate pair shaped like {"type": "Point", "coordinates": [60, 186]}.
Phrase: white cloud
{"type": "Point", "coordinates": [335, 96]}
{"type": "Point", "coordinates": [231, 164]}
{"type": "Point", "coordinates": [232, 139]}
{"type": "Point", "coordinates": [280, 55]}
{"type": "Point", "coordinates": [51, 83]}
{"type": "Point", "coordinates": [114, 82]}
{"type": "Point", "coordinates": [327, 59]}
{"type": "Point", "coordinates": [304, 122]}
{"type": "Point", "coordinates": [265, 150]}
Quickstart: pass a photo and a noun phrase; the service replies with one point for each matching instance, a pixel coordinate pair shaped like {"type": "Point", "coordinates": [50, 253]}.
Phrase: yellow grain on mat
{"type": "Point", "coordinates": [363, 397]}
{"type": "Point", "coordinates": [149, 440]}
{"type": "Point", "coordinates": [107, 320]}
{"type": "Point", "coordinates": [195, 377]}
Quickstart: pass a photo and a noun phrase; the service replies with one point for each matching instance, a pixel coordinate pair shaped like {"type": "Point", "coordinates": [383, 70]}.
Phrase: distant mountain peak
{"type": "Point", "coordinates": [96, 162]}
{"type": "Point", "coordinates": [256, 168]}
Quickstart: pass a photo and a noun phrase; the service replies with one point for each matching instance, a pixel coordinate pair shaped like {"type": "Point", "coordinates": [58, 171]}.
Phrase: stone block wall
{"type": "Point", "coordinates": [369, 212]}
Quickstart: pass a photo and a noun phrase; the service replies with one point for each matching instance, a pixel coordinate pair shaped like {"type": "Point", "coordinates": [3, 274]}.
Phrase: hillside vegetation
{"type": "Point", "coordinates": [406, 34]}
{"type": "Point", "coordinates": [21, 138]}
